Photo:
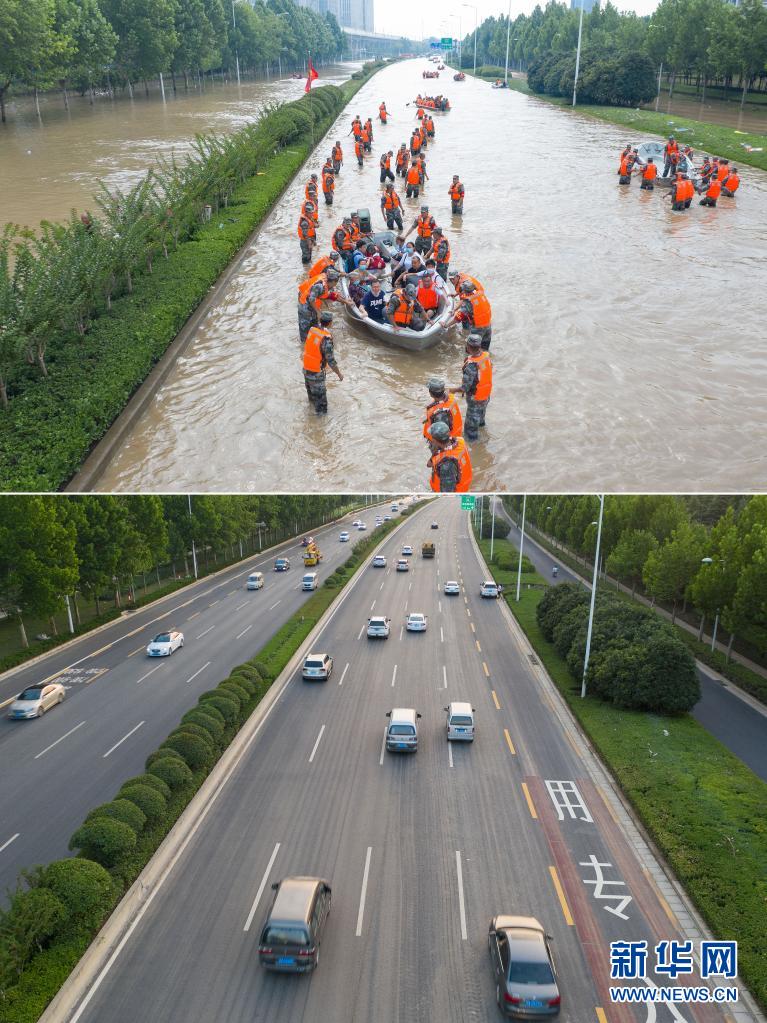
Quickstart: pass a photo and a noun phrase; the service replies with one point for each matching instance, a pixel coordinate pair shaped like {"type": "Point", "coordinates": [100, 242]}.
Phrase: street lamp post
{"type": "Point", "coordinates": [508, 40]}
{"type": "Point", "coordinates": [475, 33]}
{"type": "Point", "coordinates": [457, 17]}
{"type": "Point", "coordinates": [710, 561]}
{"type": "Point", "coordinates": [194, 551]}
{"type": "Point", "coordinates": [492, 525]}
{"type": "Point", "coordinates": [236, 54]}
{"type": "Point", "coordinates": [593, 594]}
{"type": "Point", "coordinates": [521, 544]}
{"type": "Point", "coordinates": [578, 54]}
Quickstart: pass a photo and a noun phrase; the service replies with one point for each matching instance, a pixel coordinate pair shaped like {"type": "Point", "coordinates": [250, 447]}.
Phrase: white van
{"type": "Point", "coordinates": [255, 581]}
{"type": "Point", "coordinates": [309, 581]}
{"type": "Point", "coordinates": [460, 721]}
{"type": "Point", "coordinates": [402, 730]}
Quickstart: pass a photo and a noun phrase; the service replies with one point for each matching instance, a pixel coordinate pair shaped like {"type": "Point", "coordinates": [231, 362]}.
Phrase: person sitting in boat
{"type": "Point", "coordinates": [404, 310]}
{"type": "Point", "coordinates": [375, 260]}
{"type": "Point", "coordinates": [428, 296]}
{"type": "Point", "coordinates": [404, 262]}
{"type": "Point", "coordinates": [373, 303]}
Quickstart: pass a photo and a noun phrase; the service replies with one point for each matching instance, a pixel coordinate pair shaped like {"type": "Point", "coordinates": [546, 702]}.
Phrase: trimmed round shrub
{"type": "Point", "coordinates": [237, 691]}
{"type": "Point", "coordinates": [569, 627]}
{"type": "Point", "coordinates": [189, 728]}
{"type": "Point", "coordinates": [194, 750]}
{"type": "Point", "coordinates": [152, 781]}
{"type": "Point", "coordinates": [247, 685]}
{"type": "Point", "coordinates": [214, 726]}
{"type": "Point", "coordinates": [172, 770]}
{"type": "Point", "coordinates": [34, 916]}
{"type": "Point", "coordinates": [121, 810]}
{"type": "Point", "coordinates": [147, 799]}
{"type": "Point", "coordinates": [84, 887]}
{"type": "Point", "coordinates": [210, 710]}
{"type": "Point", "coordinates": [263, 670]}
{"type": "Point", "coordinates": [104, 840]}
{"type": "Point", "coordinates": [255, 670]}
{"type": "Point", "coordinates": [223, 703]}
{"type": "Point", "coordinates": [160, 754]}
{"type": "Point", "coordinates": [555, 603]}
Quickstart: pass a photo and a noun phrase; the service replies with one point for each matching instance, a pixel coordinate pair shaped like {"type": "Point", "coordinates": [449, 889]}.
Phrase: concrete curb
{"type": "Point", "coordinates": [691, 925]}
{"type": "Point", "coordinates": [128, 615]}
{"type": "Point", "coordinates": [94, 466]}
{"type": "Point", "coordinates": [74, 995]}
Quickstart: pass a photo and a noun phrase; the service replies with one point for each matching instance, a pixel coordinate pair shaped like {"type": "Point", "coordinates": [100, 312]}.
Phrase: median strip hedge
{"type": "Point", "coordinates": [95, 363]}
{"type": "Point", "coordinates": [57, 910]}
{"type": "Point", "coordinates": [702, 806]}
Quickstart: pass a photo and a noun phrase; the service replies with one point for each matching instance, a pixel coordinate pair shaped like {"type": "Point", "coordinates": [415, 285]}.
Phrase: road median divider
{"type": "Point", "coordinates": [68, 919]}
{"type": "Point", "coordinates": [699, 805]}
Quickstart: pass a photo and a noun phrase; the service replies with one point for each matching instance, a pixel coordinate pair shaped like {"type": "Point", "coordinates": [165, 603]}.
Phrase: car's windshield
{"type": "Point", "coordinates": [460, 719]}
{"type": "Point", "coordinates": [401, 730]}
{"type": "Point", "coordinates": [280, 561]}
{"type": "Point", "coordinates": [531, 973]}
{"type": "Point", "coordinates": [30, 694]}
{"type": "Point", "coordinates": [164, 637]}
{"type": "Point", "coordinates": [278, 935]}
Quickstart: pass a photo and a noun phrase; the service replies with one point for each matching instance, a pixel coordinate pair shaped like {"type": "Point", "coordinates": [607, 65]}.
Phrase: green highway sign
{"type": "Point", "coordinates": [467, 502]}
{"type": "Point", "coordinates": [447, 42]}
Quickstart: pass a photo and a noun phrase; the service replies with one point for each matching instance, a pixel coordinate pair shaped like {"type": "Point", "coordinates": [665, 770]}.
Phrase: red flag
{"type": "Point", "coordinates": [310, 77]}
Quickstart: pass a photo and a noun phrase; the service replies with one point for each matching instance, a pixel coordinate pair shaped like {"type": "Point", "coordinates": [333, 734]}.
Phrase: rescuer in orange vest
{"type": "Point", "coordinates": [476, 386]}
{"type": "Point", "coordinates": [307, 237]}
{"type": "Point", "coordinates": [359, 151]}
{"type": "Point", "coordinates": [424, 225]}
{"type": "Point", "coordinates": [383, 113]}
{"type": "Point", "coordinates": [403, 159]}
{"type": "Point", "coordinates": [450, 463]}
{"type": "Point", "coordinates": [318, 355]}
{"type": "Point", "coordinates": [385, 163]}
{"type": "Point", "coordinates": [442, 409]}
{"type": "Point", "coordinates": [456, 193]}
{"type": "Point", "coordinates": [427, 295]}
{"type": "Point", "coordinates": [713, 192]}
{"type": "Point", "coordinates": [337, 155]}
{"type": "Point", "coordinates": [474, 313]}
{"type": "Point", "coordinates": [731, 183]}
{"type": "Point", "coordinates": [328, 184]}
{"type": "Point", "coordinates": [391, 207]}
{"type": "Point", "coordinates": [440, 252]}
{"type": "Point", "coordinates": [413, 181]}
{"type": "Point", "coordinates": [670, 155]}
{"type": "Point", "coordinates": [649, 174]}
{"type": "Point", "coordinates": [310, 211]}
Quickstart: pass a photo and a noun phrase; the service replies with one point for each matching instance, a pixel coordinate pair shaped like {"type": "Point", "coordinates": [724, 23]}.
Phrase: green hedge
{"type": "Point", "coordinates": [112, 850]}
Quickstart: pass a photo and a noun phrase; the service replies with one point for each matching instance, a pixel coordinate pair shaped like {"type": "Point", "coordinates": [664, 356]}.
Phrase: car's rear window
{"type": "Point", "coordinates": [314, 663]}
{"type": "Point", "coordinates": [278, 935]}
{"type": "Point", "coordinates": [531, 973]}
{"type": "Point", "coordinates": [164, 637]}
{"type": "Point", "coordinates": [401, 730]}
{"type": "Point", "coordinates": [460, 719]}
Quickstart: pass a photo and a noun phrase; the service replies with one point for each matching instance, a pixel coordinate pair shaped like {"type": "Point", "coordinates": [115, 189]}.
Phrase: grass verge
{"type": "Point", "coordinates": [47, 969]}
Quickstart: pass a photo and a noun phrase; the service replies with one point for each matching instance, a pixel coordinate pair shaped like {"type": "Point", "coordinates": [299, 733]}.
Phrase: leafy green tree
{"type": "Point", "coordinates": [27, 38]}
{"type": "Point", "coordinates": [94, 44]}
{"type": "Point", "coordinates": [670, 569]}
{"type": "Point", "coordinates": [146, 33]}
{"type": "Point", "coordinates": [628, 558]}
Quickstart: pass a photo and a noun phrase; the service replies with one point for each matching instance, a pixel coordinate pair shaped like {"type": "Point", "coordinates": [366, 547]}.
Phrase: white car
{"type": "Point", "coordinates": [344, 537]}
{"type": "Point", "coordinates": [356, 522]}
{"type": "Point", "coordinates": [362, 526]}
{"type": "Point", "coordinates": [403, 565]}
{"type": "Point", "coordinates": [379, 561]}
{"type": "Point", "coordinates": [387, 518]}
{"type": "Point", "coordinates": [452, 589]}
{"type": "Point", "coordinates": [379, 627]}
{"type": "Point", "coordinates": [165, 643]}
{"type": "Point", "coordinates": [489, 589]}
{"type": "Point", "coordinates": [407, 551]}
{"type": "Point", "coordinates": [36, 699]}
{"type": "Point", "coordinates": [319, 666]}
{"type": "Point", "coordinates": [415, 622]}
{"type": "Point", "coordinates": [379, 521]}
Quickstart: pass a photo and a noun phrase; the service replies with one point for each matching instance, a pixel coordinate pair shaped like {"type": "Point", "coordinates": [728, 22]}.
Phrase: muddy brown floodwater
{"type": "Point", "coordinates": [628, 341]}
{"type": "Point", "coordinates": [50, 164]}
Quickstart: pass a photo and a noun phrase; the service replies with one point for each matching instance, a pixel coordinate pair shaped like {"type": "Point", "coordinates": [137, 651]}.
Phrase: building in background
{"type": "Point", "coordinates": [356, 14]}
{"type": "Point", "coordinates": [575, 5]}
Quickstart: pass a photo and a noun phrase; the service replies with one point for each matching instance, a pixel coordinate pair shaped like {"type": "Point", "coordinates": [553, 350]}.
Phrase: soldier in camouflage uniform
{"type": "Point", "coordinates": [318, 354]}
{"type": "Point", "coordinates": [476, 385]}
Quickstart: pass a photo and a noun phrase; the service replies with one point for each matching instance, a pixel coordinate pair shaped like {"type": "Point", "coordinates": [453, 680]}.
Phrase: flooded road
{"type": "Point", "coordinates": [51, 164]}
{"type": "Point", "coordinates": [628, 341]}
{"type": "Point", "coordinates": [751, 118]}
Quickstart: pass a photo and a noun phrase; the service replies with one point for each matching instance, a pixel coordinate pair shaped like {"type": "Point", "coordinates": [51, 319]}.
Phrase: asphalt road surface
{"type": "Point", "coordinates": [420, 850]}
{"type": "Point", "coordinates": [121, 704]}
{"type": "Point", "coordinates": [739, 724]}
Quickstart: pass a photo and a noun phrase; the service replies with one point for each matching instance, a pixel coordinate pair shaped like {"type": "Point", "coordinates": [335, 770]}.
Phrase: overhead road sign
{"type": "Point", "coordinates": [447, 42]}
{"type": "Point", "coordinates": [468, 502]}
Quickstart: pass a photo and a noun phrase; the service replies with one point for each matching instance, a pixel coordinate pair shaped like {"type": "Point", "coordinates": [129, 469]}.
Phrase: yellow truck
{"type": "Point", "coordinates": [312, 556]}
{"type": "Point", "coordinates": [427, 550]}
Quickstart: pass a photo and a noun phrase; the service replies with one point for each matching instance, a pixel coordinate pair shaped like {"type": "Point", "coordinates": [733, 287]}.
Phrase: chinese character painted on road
{"type": "Point", "coordinates": [628, 960]}
{"type": "Point", "coordinates": [673, 957]}
{"type": "Point", "coordinates": [718, 959]}
{"type": "Point", "coordinates": [566, 797]}
{"type": "Point", "coordinates": [601, 891]}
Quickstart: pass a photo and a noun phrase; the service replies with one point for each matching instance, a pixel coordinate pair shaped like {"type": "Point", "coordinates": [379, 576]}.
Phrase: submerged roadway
{"type": "Point", "coordinates": [420, 850]}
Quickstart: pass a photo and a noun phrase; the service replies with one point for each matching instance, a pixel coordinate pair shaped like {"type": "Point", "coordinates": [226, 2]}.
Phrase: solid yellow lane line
{"type": "Point", "coordinates": [101, 650]}
{"type": "Point", "coordinates": [479, 648]}
{"type": "Point", "coordinates": [495, 701]}
{"type": "Point", "coordinates": [561, 894]}
{"type": "Point", "coordinates": [530, 803]}
{"type": "Point", "coordinates": [510, 744]}
{"type": "Point", "coordinates": [601, 1018]}
{"type": "Point", "coordinates": [136, 651]}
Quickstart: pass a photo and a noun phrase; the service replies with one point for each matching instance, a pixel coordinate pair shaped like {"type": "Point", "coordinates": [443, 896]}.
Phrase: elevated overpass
{"type": "Point", "coordinates": [364, 44]}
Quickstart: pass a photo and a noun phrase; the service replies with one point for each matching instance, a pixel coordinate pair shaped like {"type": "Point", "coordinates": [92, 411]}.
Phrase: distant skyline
{"type": "Point", "coordinates": [397, 17]}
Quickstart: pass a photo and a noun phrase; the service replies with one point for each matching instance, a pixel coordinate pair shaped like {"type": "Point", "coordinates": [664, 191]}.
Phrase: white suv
{"type": "Point", "coordinates": [379, 627]}
{"type": "Point", "coordinates": [489, 589]}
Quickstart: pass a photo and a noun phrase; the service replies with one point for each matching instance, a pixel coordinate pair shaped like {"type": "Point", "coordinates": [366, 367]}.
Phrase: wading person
{"type": "Point", "coordinates": [443, 408]}
{"type": "Point", "coordinates": [319, 356]}
{"type": "Point", "coordinates": [474, 313]}
{"type": "Point", "coordinates": [456, 193]}
{"type": "Point", "coordinates": [307, 238]}
{"type": "Point", "coordinates": [385, 163]}
{"type": "Point", "coordinates": [450, 463]}
{"type": "Point", "coordinates": [476, 386]}
{"type": "Point", "coordinates": [649, 174]}
{"type": "Point", "coordinates": [423, 225]}
{"type": "Point", "coordinates": [391, 207]}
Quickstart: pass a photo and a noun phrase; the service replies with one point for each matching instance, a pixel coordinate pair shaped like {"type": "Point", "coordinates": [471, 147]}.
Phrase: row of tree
{"type": "Point", "coordinates": [676, 550]}
{"type": "Point", "coordinates": [100, 44]}
{"type": "Point", "coordinates": [708, 40]}
{"type": "Point", "coordinates": [54, 547]}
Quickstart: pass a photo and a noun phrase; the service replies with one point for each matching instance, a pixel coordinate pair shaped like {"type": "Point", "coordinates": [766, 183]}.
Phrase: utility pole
{"type": "Point", "coordinates": [593, 595]}
{"type": "Point", "coordinates": [578, 54]}
{"type": "Point", "coordinates": [236, 55]}
{"type": "Point", "coordinates": [508, 40]}
{"type": "Point", "coordinates": [194, 551]}
{"type": "Point", "coordinates": [521, 544]}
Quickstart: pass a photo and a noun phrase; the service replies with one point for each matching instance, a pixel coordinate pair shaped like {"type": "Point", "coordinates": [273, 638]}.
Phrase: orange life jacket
{"type": "Point", "coordinates": [346, 243]}
{"type": "Point", "coordinates": [428, 297]}
{"type": "Point", "coordinates": [421, 113]}
{"type": "Point", "coordinates": [485, 378]}
{"type": "Point", "coordinates": [449, 405]}
{"type": "Point", "coordinates": [425, 225]}
{"type": "Point", "coordinates": [650, 172]}
{"type": "Point", "coordinates": [671, 148]}
{"type": "Point", "coordinates": [356, 233]}
{"type": "Point", "coordinates": [414, 175]}
{"type": "Point", "coordinates": [446, 257]}
{"type": "Point", "coordinates": [714, 189]}
{"type": "Point", "coordinates": [364, 137]}
{"type": "Point", "coordinates": [466, 277]}
{"type": "Point", "coordinates": [306, 232]}
{"type": "Point", "coordinates": [415, 143]}
{"type": "Point", "coordinates": [359, 148]}
{"type": "Point", "coordinates": [403, 157]}
{"type": "Point", "coordinates": [456, 191]}
{"type": "Point", "coordinates": [391, 201]}
{"type": "Point", "coordinates": [386, 162]}
{"type": "Point", "coordinates": [731, 182]}
{"type": "Point", "coordinates": [310, 192]}
{"type": "Point", "coordinates": [306, 286]}
{"type": "Point", "coordinates": [338, 154]}
{"type": "Point", "coordinates": [680, 191]}
{"type": "Point", "coordinates": [403, 314]}
{"type": "Point", "coordinates": [328, 183]}
{"type": "Point", "coordinates": [312, 352]}
{"type": "Point", "coordinates": [460, 453]}
{"type": "Point", "coordinates": [625, 170]}
{"type": "Point", "coordinates": [314, 215]}
{"type": "Point", "coordinates": [322, 264]}
{"type": "Point", "coordinates": [480, 308]}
